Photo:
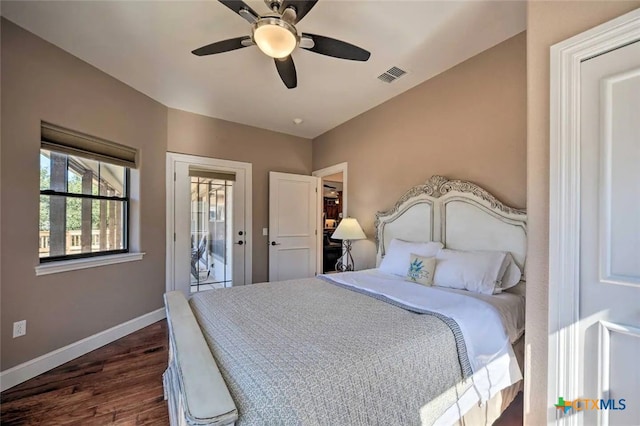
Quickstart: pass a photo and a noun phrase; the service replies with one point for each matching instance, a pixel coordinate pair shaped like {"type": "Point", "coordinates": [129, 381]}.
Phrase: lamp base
{"type": "Point", "coordinates": [345, 262]}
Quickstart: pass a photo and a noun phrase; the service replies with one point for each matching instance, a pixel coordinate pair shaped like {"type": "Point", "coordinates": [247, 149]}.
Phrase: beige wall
{"type": "Point", "coordinates": [466, 123]}
{"type": "Point", "coordinates": [42, 82]}
{"type": "Point", "coordinates": [195, 134]}
{"type": "Point", "coordinates": [548, 24]}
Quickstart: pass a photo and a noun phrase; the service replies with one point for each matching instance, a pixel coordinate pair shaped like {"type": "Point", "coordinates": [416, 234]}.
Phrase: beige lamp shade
{"type": "Point", "coordinates": [349, 229]}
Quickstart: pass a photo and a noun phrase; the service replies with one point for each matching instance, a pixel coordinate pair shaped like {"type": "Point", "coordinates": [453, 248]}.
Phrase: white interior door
{"type": "Point", "coordinates": [610, 237]}
{"type": "Point", "coordinates": [223, 262]}
{"type": "Point", "coordinates": [292, 226]}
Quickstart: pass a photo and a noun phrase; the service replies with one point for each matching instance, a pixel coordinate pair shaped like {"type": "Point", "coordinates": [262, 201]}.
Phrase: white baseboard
{"type": "Point", "coordinates": [27, 370]}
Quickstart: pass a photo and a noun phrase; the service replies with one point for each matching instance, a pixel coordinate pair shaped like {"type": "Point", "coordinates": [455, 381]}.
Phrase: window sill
{"type": "Point", "coordinates": [89, 262]}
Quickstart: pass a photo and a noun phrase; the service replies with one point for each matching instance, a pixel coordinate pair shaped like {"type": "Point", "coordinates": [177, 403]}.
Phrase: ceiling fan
{"type": "Point", "coordinates": [276, 36]}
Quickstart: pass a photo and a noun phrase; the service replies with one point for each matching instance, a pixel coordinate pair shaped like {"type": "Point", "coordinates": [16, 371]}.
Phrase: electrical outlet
{"type": "Point", "coordinates": [19, 328]}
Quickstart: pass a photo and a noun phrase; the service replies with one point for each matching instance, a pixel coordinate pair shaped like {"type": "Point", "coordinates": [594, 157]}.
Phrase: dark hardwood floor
{"type": "Point", "coordinates": [120, 383]}
{"type": "Point", "coordinates": [512, 416]}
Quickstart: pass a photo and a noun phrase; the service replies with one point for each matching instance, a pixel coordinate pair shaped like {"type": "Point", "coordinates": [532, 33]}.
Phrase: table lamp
{"type": "Point", "coordinates": [348, 230]}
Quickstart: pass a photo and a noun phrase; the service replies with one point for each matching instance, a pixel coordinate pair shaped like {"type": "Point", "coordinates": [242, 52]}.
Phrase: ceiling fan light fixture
{"type": "Point", "coordinates": [275, 37]}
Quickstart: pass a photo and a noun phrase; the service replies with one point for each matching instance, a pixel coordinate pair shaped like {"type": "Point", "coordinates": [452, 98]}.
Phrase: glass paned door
{"type": "Point", "coordinates": [207, 240]}
{"type": "Point", "coordinates": [211, 233]}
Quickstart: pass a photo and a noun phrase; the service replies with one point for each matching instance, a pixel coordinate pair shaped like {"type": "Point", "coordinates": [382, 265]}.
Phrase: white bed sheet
{"type": "Point", "coordinates": [510, 306]}
{"type": "Point", "coordinates": [485, 340]}
{"type": "Point", "coordinates": [488, 341]}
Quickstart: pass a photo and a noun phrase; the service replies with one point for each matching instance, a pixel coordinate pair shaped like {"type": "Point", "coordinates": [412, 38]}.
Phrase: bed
{"type": "Point", "coordinates": [364, 347]}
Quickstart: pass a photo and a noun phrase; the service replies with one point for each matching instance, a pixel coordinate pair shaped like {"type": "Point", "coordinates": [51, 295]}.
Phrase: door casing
{"type": "Point", "coordinates": [564, 200]}
{"type": "Point", "coordinates": [220, 165]}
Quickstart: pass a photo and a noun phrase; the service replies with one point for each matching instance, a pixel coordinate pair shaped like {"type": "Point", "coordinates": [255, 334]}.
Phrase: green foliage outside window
{"type": "Point", "coordinates": [74, 205]}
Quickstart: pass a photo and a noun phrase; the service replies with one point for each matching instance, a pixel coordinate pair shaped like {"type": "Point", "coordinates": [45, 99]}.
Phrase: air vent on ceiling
{"type": "Point", "coordinates": [392, 74]}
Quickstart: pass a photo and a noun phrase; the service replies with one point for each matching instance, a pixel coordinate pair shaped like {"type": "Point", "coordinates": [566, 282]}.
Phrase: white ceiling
{"type": "Point", "coordinates": [147, 45]}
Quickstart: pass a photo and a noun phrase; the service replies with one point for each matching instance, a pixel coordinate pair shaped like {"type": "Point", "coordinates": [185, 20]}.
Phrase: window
{"type": "Point", "coordinates": [84, 196]}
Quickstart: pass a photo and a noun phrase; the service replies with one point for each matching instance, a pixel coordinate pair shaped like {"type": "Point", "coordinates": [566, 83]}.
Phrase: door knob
{"type": "Point", "coordinates": [240, 242]}
{"type": "Point", "coordinates": [273, 243]}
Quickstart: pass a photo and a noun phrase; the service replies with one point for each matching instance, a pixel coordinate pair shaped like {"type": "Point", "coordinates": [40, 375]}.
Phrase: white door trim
{"type": "Point", "coordinates": [328, 171]}
{"type": "Point", "coordinates": [564, 200]}
{"type": "Point", "coordinates": [221, 165]}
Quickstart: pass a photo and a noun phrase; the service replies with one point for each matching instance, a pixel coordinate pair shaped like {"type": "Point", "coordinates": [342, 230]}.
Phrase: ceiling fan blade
{"type": "Point", "coordinates": [287, 71]}
{"type": "Point", "coordinates": [241, 8]}
{"type": "Point", "coordinates": [336, 48]}
{"type": "Point", "coordinates": [222, 46]}
{"type": "Point", "coordinates": [302, 7]}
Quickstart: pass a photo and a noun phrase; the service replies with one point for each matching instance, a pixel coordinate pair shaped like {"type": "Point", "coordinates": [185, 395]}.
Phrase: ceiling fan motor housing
{"type": "Point", "coordinates": [273, 4]}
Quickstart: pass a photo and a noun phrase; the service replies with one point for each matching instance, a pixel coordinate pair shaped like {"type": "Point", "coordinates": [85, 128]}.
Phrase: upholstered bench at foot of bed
{"type": "Point", "coordinates": [194, 388]}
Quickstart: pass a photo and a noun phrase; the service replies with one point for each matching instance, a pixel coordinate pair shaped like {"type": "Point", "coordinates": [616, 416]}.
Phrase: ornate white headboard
{"type": "Point", "coordinates": [459, 214]}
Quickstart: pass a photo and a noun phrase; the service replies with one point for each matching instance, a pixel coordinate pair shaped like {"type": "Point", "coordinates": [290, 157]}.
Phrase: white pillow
{"type": "Point", "coordinates": [477, 271]}
{"type": "Point", "coordinates": [512, 273]}
{"type": "Point", "coordinates": [396, 259]}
